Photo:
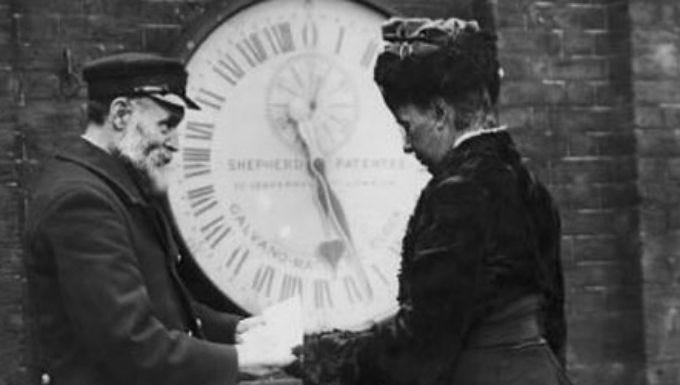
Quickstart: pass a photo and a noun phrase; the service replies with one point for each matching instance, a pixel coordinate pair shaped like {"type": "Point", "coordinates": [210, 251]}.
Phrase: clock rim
{"type": "Point", "coordinates": [219, 12]}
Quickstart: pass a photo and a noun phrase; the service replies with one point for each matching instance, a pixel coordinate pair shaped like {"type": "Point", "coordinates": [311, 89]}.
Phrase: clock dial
{"type": "Point", "coordinates": [291, 180]}
{"type": "Point", "coordinates": [310, 86]}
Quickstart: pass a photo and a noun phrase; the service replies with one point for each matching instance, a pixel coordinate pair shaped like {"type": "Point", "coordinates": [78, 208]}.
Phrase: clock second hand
{"type": "Point", "coordinates": [330, 203]}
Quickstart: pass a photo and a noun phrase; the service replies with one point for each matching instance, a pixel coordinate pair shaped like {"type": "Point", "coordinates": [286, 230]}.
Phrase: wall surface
{"type": "Point", "coordinates": [602, 135]}
{"type": "Point", "coordinates": [656, 65]}
{"type": "Point", "coordinates": [568, 99]}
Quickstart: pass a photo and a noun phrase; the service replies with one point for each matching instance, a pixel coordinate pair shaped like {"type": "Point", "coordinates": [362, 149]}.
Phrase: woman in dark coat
{"type": "Point", "coordinates": [481, 292]}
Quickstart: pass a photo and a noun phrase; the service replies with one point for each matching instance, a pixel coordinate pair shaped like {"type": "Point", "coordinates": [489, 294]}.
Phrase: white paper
{"type": "Point", "coordinates": [283, 326]}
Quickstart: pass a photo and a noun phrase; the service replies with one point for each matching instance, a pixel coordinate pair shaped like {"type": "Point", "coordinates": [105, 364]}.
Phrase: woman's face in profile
{"type": "Point", "coordinates": [425, 133]}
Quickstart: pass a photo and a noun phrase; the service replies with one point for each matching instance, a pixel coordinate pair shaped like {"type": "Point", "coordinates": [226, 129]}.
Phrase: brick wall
{"type": "Point", "coordinates": [656, 64]}
{"type": "Point", "coordinates": [12, 336]}
{"type": "Point", "coordinates": [567, 97]}
{"type": "Point", "coordinates": [41, 108]}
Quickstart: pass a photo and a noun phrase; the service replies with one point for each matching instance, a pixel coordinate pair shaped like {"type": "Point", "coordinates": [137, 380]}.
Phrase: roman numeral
{"type": "Point", "coordinates": [252, 49]}
{"type": "Point", "coordinates": [263, 279]}
{"type": "Point", "coordinates": [215, 231]}
{"type": "Point", "coordinates": [322, 294]}
{"type": "Point", "coordinates": [369, 53]}
{"type": "Point", "coordinates": [310, 34]}
{"type": "Point", "coordinates": [280, 38]}
{"type": "Point", "coordinates": [196, 161]}
{"type": "Point", "coordinates": [237, 258]}
{"type": "Point", "coordinates": [380, 274]}
{"type": "Point", "coordinates": [351, 289]}
{"type": "Point", "coordinates": [199, 131]}
{"type": "Point", "coordinates": [210, 99]}
{"type": "Point", "coordinates": [341, 37]}
{"type": "Point", "coordinates": [291, 286]}
{"type": "Point", "coordinates": [229, 69]}
{"type": "Point", "coordinates": [202, 199]}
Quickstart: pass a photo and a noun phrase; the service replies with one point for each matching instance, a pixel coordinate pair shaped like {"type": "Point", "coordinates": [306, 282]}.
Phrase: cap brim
{"type": "Point", "coordinates": [181, 101]}
{"type": "Point", "coordinates": [190, 103]}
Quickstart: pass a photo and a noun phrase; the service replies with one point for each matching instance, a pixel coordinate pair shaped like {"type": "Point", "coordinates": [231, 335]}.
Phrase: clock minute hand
{"type": "Point", "coordinates": [334, 210]}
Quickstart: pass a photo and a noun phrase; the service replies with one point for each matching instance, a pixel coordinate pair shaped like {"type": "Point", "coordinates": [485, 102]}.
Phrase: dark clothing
{"type": "Point", "coordinates": [108, 304]}
{"type": "Point", "coordinates": [484, 236]}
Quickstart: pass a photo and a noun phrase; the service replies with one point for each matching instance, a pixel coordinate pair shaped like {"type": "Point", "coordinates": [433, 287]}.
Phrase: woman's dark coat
{"type": "Point", "coordinates": [484, 233]}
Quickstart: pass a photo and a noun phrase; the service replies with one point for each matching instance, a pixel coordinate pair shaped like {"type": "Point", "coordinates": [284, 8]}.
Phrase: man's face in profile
{"type": "Point", "coordinates": [150, 139]}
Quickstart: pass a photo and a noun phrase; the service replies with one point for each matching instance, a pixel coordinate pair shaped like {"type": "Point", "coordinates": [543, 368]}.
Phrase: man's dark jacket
{"type": "Point", "coordinates": [484, 235]}
{"type": "Point", "coordinates": [108, 304]}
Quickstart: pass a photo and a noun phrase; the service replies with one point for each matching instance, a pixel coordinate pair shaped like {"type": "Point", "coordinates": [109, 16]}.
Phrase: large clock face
{"type": "Point", "coordinates": [291, 180]}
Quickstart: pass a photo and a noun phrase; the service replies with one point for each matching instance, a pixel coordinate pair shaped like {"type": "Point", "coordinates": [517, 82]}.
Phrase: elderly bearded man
{"type": "Point", "coordinates": [109, 305]}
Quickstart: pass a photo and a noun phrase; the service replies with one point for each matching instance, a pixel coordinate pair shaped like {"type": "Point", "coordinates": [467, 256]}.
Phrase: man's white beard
{"type": "Point", "coordinates": [151, 162]}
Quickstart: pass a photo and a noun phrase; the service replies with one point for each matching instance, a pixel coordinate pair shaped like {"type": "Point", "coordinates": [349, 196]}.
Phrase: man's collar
{"type": "Point", "coordinates": [471, 134]}
{"type": "Point", "coordinates": [94, 158]}
{"type": "Point", "coordinates": [90, 140]}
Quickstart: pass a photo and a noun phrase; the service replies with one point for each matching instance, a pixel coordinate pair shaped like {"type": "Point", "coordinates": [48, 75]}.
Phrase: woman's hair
{"type": "Point", "coordinates": [459, 65]}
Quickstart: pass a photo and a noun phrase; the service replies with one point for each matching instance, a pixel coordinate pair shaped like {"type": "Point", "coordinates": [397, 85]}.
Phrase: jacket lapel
{"type": "Point", "coordinates": [121, 180]}
{"type": "Point", "coordinates": [106, 166]}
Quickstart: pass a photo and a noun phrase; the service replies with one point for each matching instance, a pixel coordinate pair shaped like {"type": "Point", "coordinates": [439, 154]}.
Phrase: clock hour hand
{"type": "Point", "coordinates": [329, 200]}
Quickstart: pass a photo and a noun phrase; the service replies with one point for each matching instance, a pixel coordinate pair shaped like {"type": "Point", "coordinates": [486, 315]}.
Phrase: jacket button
{"type": "Point", "coordinates": [199, 323]}
{"type": "Point", "coordinates": [45, 379]}
{"type": "Point", "coordinates": [190, 333]}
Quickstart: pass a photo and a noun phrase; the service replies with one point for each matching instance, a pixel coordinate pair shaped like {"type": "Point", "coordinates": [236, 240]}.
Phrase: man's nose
{"type": "Point", "coordinates": [172, 142]}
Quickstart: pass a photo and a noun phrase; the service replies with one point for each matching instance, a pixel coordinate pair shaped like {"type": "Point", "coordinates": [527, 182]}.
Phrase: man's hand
{"type": "Point", "coordinates": [246, 325]}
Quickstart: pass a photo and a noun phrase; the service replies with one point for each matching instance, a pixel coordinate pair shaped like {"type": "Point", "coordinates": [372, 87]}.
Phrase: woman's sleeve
{"type": "Point", "coordinates": [443, 279]}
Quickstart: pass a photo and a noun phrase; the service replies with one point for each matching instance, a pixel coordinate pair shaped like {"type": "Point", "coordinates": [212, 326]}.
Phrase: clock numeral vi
{"type": "Point", "coordinates": [263, 279]}
{"type": "Point", "coordinates": [322, 294]}
{"type": "Point", "coordinates": [291, 286]}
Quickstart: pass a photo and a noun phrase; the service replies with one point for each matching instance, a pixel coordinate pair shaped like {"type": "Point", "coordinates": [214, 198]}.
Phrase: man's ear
{"type": "Point", "coordinates": [119, 113]}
